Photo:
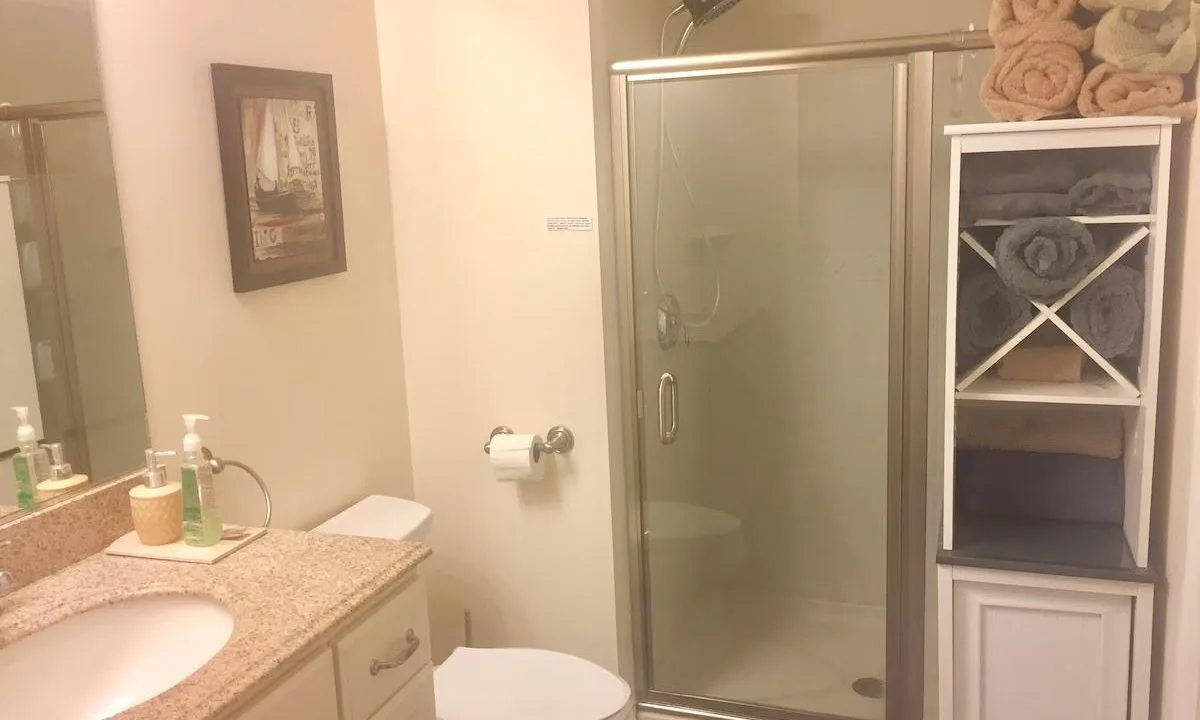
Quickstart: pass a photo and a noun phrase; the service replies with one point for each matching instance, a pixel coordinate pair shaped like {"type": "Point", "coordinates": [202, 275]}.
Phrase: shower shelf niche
{"type": "Point", "coordinates": [1047, 486]}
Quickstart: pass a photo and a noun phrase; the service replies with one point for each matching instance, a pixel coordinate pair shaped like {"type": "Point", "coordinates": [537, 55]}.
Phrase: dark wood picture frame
{"type": "Point", "coordinates": [283, 197]}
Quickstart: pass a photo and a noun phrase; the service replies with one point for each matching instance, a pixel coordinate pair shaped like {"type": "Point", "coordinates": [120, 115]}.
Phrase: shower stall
{"type": "Point", "coordinates": [74, 301]}
{"type": "Point", "coordinates": [776, 212]}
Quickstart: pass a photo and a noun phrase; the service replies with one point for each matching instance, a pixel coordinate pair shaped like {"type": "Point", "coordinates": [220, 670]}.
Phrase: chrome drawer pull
{"type": "Point", "coordinates": [410, 649]}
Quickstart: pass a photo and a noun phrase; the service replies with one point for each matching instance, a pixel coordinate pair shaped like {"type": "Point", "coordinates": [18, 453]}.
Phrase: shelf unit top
{"type": "Point", "coordinates": [1068, 124]}
{"type": "Point", "coordinates": [1049, 547]}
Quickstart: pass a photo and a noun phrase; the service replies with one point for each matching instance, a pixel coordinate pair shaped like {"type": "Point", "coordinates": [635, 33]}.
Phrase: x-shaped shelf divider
{"type": "Point", "coordinates": [1050, 312]}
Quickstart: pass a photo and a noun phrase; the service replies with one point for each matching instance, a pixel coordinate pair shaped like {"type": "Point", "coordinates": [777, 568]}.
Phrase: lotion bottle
{"type": "Point", "coordinates": [62, 478]}
{"type": "Point", "coordinates": [157, 505]}
{"type": "Point", "coordinates": [30, 465]}
{"type": "Point", "coordinates": [201, 520]}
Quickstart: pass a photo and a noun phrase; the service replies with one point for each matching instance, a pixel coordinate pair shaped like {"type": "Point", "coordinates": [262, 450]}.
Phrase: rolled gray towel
{"type": "Point", "coordinates": [988, 314]}
{"type": "Point", "coordinates": [1109, 313]}
{"type": "Point", "coordinates": [1017, 206]}
{"type": "Point", "coordinates": [1042, 258]}
{"type": "Point", "coordinates": [1002, 174]}
{"type": "Point", "coordinates": [1112, 192]}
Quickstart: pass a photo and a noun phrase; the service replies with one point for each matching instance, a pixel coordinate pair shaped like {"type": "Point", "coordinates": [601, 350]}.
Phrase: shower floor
{"type": "Point", "coordinates": [776, 650]}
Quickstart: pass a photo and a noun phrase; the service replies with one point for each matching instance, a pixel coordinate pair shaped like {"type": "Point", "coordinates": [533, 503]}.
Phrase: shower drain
{"type": "Point", "coordinates": [869, 687]}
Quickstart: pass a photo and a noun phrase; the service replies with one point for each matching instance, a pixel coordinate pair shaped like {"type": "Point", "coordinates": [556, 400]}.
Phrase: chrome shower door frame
{"type": "Point", "coordinates": [907, 561]}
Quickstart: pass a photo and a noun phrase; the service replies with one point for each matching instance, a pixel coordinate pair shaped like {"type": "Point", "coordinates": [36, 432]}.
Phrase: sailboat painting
{"type": "Point", "coordinates": [279, 153]}
{"type": "Point", "coordinates": [287, 210]}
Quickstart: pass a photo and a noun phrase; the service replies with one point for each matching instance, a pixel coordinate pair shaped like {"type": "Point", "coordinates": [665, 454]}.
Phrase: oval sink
{"type": "Point", "coordinates": [98, 663]}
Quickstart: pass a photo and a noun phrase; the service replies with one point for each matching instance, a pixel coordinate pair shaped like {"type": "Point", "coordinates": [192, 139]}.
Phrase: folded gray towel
{"type": "Point", "coordinates": [1112, 192]}
{"type": "Point", "coordinates": [1001, 174]}
{"type": "Point", "coordinates": [1017, 206]}
{"type": "Point", "coordinates": [988, 314]}
{"type": "Point", "coordinates": [1042, 258]}
{"type": "Point", "coordinates": [1108, 314]}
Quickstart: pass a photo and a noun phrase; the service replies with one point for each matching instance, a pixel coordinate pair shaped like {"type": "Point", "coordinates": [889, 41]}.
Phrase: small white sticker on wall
{"type": "Point", "coordinates": [570, 224]}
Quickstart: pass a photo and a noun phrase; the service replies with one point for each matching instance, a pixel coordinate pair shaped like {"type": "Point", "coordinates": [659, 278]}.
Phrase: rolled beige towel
{"type": "Point", "coordinates": [1033, 81]}
{"type": "Point", "coordinates": [1099, 6]}
{"type": "Point", "coordinates": [1013, 22]}
{"type": "Point", "coordinates": [1149, 42]}
{"type": "Point", "coordinates": [1108, 92]}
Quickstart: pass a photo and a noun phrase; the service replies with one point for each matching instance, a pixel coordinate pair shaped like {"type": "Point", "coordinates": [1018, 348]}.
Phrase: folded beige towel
{"type": "Point", "coordinates": [1012, 22]}
{"type": "Point", "coordinates": [1033, 81]}
{"type": "Point", "coordinates": [1043, 363]}
{"type": "Point", "coordinates": [1149, 42]}
{"type": "Point", "coordinates": [1109, 92]}
{"type": "Point", "coordinates": [1042, 428]}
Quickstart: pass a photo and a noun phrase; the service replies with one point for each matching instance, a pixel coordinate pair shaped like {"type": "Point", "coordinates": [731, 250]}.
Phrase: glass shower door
{"type": "Point", "coordinates": [762, 248]}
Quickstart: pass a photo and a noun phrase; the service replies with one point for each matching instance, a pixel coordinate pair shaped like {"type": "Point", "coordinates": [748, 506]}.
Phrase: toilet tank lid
{"type": "Point", "coordinates": [380, 516]}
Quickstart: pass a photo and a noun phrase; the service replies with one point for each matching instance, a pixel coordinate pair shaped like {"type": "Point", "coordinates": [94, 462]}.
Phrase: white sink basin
{"type": "Point", "coordinates": [98, 663]}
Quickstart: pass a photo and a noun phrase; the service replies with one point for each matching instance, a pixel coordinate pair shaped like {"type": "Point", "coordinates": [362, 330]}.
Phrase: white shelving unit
{"type": "Point", "coordinates": [1044, 574]}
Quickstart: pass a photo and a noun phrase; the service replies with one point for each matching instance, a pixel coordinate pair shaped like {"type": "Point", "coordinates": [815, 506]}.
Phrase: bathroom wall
{"type": "Point", "coordinates": [1177, 499]}
{"type": "Point", "coordinates": [47, 52]}
{"type": "Point", "coordinates": [491, 128]}
{"type": "Point", "coordinates": [305, 381]}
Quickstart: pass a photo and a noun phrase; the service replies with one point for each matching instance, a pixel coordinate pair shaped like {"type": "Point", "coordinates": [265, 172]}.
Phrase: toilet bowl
{"type": "Point", "coordinates": [502, 683]}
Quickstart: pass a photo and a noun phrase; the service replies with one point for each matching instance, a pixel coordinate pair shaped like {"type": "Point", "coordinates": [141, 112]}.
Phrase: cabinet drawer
{"type": "Point", "coordinates": [414, 702]}
{"type": "Point", "coordinates": [383, 652]}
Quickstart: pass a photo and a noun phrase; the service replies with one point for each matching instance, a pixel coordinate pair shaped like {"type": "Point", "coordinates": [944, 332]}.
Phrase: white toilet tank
{"type": "Point", "coordinates": [381, 516]}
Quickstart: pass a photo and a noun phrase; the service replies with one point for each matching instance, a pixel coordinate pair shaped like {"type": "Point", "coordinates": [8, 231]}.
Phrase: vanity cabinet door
{"type": "Point", "coordinates": [310, 693]}
{"type": "Point", "coordinates": [1029, 653]}
{"type": "Point", "coordinates": [414, 702]}
{"type": "Point", "coordinates": [383, 652]}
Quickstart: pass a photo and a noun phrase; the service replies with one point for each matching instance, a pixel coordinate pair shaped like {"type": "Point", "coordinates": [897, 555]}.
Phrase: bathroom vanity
{"type": "Point", "coordinates": [380, 669]}
{"type": "Point", "coordinates": [323, 627]}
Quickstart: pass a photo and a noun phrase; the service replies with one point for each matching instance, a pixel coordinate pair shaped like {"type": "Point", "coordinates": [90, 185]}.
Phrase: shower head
{"type": "Point", "coordinates": [705, 11]}
{"type": "Point", "coordinates": [702, 11]}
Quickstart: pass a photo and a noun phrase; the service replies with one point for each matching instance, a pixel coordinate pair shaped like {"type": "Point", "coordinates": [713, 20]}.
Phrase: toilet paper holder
{"type": "Point", "coordinates": [558, 440]}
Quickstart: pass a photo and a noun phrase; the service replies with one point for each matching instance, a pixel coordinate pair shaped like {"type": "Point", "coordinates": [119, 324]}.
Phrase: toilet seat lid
{"type": "Point", "coordinates": [512, 684]}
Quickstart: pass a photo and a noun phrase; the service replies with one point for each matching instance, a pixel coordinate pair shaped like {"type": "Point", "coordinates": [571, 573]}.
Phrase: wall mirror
{"type": "Point", "coordinates": [68, 347]}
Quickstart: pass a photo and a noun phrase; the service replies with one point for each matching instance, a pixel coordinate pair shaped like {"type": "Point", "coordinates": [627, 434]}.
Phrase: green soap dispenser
{"type": "Point", "coordinates": [201, 521]}
{"type": "Point", "coordinates": [31, 464]}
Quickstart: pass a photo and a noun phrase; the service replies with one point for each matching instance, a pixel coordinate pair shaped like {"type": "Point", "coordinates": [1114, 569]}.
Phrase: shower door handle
{"type": "Point", "coordinates": [668, 403]}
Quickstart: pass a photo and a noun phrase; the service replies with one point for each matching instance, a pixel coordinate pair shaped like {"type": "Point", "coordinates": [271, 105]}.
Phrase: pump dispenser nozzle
{"type": "Point", "coordinates": [155, 471]}
{"type": "Point", "coordinates": [25, 432]}
{"type": "Point", "coordinates": [191, 441]}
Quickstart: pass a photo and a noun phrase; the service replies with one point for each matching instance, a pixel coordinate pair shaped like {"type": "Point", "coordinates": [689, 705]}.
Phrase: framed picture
{"type": "Point", "coordinates": [279, 158]}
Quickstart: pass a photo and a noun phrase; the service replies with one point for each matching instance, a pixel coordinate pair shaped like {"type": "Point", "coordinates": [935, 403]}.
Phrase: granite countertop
{"type": "Point", "coordinates": [289, 592]}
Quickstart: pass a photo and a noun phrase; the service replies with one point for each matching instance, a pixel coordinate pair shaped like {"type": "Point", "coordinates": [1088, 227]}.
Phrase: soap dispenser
{"type": "Point", "coordinates": [30, 465]}
{"type": "Point", "coordinates": [157, 505]}
{"type": "Point", "coordinates": [201, 521]}
{"type": "Point", "coordinates": [62, 478]}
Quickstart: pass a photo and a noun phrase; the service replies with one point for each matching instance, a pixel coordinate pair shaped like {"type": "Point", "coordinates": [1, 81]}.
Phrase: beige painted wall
{"type": "Point", "coordinates": [47, 53]}
{"type": "Point", "coordinates": [304, 382]}
{"type": "Point", "coordinates": [491, 121]}
{"type": "Point", "coordinates": [1177, 500]}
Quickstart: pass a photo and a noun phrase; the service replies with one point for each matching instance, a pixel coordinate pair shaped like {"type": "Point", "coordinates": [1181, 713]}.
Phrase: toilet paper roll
{"type": "Point", "coordinates": [513, 458]}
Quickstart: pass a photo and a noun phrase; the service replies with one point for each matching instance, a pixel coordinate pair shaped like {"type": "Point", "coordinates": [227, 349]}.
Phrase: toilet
{"type": "Point", "coordinates": [502, 683]}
